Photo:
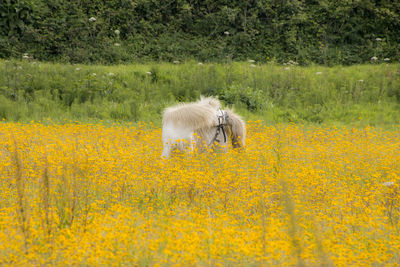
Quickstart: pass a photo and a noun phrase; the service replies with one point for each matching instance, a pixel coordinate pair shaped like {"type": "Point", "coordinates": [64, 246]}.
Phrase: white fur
{"type": "Point", "coordinates": [176, 135]}
{"type": "Point", "coordinates": [194, 124]}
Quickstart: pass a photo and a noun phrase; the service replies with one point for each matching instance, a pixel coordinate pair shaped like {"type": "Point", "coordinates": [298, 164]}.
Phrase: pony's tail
{"type": "Point", "coordinates": [237, 129]}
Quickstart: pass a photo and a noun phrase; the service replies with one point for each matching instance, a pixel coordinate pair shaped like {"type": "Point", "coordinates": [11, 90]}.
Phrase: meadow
{"type": "Point", "coordinates": [358, 95]}
{"type": "Point", "coordinates": [82, 181]}
{"type": "Point", "coordinates": [90, 194]}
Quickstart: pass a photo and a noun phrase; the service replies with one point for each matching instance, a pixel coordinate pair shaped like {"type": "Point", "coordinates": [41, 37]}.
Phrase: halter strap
{"type": "Point", "coordinates": [222, 121]}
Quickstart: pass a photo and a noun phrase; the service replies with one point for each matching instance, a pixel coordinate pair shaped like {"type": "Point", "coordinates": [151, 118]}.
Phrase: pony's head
{"type": "Point", "coordinates": [237, 129]}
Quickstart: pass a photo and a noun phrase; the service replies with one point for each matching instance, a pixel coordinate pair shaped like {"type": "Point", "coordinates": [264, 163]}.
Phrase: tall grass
{"type": "Point", "coordinates": [359, 95]}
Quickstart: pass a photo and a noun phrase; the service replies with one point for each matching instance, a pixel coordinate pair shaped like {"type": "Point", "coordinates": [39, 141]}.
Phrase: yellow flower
{"type": "Point", "coordinates": [82, 194]}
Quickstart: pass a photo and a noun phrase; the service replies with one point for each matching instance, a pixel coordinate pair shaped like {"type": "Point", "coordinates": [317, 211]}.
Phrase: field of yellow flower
{"type": "Point", "coordinates": [89, 194]}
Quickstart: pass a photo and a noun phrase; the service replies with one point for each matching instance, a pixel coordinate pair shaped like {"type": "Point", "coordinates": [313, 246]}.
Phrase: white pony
{"type": "Point", "coordinates": [199, 124]}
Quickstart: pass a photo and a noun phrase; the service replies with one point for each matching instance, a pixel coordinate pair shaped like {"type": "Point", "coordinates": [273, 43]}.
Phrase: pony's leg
{"type": "Point", "coordinates": [220, 147]}
{"type": "Point", "coordinates": [171, 146]}
{"type": "Point", "coordinates": [191, 143]}
{"type": "Point", "coordinates": [175, 137]}
{"type": "Point", "coordinates": [167, 150]}
{"type": "Point", "coordinates": [168, 137]}
{"type": "Point", "coordinates": [224, 146]}
{"type": "Point", "coordinates": [185, 144]}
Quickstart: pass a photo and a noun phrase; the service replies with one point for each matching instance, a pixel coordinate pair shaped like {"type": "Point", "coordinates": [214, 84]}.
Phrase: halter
{"type": "Point", "coordinates": [222, 121]}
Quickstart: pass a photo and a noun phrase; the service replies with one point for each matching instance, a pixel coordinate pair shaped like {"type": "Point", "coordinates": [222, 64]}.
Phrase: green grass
{"type": "Point", "coordinates": [357, 95]}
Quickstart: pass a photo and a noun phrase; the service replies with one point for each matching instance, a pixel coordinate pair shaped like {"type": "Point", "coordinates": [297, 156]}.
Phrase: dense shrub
{"type": "Point", "coordinates": [113, 31]}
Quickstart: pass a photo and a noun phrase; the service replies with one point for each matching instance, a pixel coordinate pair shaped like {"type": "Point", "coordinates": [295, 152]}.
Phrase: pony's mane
{"type": "Point", "coordinates": [237, 129]}
{"type": "Point", "coordinates": [212, 101]}
{"type": "Point", "coordinates": [194, 115]}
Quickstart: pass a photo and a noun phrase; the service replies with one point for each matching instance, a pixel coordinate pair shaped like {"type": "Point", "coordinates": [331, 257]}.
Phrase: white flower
{"type": "Point", "coordinates": [374, 58]}
{"type": "Point", "coordinates": [252, 65]}
{"type": "Point", "coordinates": [176, 61]}
{"type": "Point", "coordinates": [361, 81]}
{"type": "Point", "coordinates": [251, 61]}
{"type": "Point", "coordinates": [94, 74]}
{"type": "Point", "coordinates": [287, 68]}
{"type": "Point", "coordinates": [25, 56]}
{"type": "Point", "coordinates": [386, 59]}
{"type": "Point", "coordinates": [111, 74]}
{"type": "Point", "coordinates": [226, 33]}
{"type": "Point", "coordinates": [388, 184]}
{"type": "Point", "coordinates": [378, 39]}
{"type": "Point", "coordinates": [318, 73]}
{"type": "Point", "coordinates": [117, 32]}
{"type": "Point", "coordinates": [200, 64]}
{"type": "Point", "coordinates": [117, 44]}
{"type": "Point", "coordinates": [92, 19]}
{"type": "Point", "coordinates": [148, 73]}
{"type": "Point", "coordinates": [78, 69]}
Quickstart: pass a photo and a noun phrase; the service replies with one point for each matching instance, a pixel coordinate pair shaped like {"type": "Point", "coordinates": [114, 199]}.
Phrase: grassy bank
{"type": "Point", "coordinates": [356, 95]}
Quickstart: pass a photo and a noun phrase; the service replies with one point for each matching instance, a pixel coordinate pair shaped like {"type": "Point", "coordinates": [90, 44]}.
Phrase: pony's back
{"type": "Point", "coordinates": [195, 115]}
{"type": "Point", "coordinates": [181, 123]}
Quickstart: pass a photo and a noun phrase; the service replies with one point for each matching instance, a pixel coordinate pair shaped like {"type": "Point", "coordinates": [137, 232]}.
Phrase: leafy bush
{"type": "Point", "coordinates": [252, 100]}
{"type": "Point", "coordinates": [110, 32]}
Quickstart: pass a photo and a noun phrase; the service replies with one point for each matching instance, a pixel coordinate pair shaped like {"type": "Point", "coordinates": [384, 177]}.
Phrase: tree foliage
{"type": "Point", "coordinates": [112, 31]}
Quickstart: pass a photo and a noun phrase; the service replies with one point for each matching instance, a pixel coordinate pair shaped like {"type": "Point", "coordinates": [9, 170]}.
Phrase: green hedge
{"type": "Point", "coordinates": [319, 31]}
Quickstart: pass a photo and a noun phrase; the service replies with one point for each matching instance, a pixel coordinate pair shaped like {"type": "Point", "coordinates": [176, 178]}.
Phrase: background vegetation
{"type": "Point", "coordinates": [358, 95]}
{"type": "Point", "coordinates": [114, 31]}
